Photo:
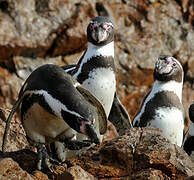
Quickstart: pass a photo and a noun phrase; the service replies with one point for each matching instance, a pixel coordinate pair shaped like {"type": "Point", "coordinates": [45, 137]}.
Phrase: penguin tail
{"type": "Point", "coordinates": [14, 108]}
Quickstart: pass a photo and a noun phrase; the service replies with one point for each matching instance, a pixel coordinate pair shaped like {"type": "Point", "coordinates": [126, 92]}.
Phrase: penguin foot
{"type": "Point", "coordinates": [44, 160]}
{"type": "Point", "coordinates": [76, 145]}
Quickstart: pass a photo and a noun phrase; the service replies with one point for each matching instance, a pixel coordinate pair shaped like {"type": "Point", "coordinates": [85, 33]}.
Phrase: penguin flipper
{"type": "Point", "coordinates": [101, 112]}
{"type": "Point", "coordinates": [191, 112]}
{"type": "Point", "coordinates": [119, 116]}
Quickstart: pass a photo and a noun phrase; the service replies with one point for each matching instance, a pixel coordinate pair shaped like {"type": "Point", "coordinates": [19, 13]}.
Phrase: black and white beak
{"type": "Point", "coordinates": [165, 64]}
{"type": "Point", "coordinates": [100, 32]}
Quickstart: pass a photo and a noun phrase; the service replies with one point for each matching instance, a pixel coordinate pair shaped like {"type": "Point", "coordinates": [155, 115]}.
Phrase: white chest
{"type": "Point", "coordinates": [171, 86]}
{"type": "Point", "coordinates": [39, 125]}
{"type": "Point", "coordinates": [170, 120]}
{"type": "Point", "coordinates": [101, 83]}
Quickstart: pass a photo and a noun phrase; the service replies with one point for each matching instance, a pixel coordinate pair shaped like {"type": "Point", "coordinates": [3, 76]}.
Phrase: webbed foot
{"type": "Point", "coordinates": [44, 160]}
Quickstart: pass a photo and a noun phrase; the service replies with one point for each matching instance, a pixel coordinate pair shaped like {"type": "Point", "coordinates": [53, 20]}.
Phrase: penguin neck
{"type": "Point", "coordinates": [92, 52]}
{"type": "Point", "coordinates": [172, 86]}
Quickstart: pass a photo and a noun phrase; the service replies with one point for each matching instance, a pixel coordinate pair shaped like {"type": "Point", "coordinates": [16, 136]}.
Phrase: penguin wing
{"type": "Point", "coordinates": [191, 112]}
{"type": "Point", "coordinates": [101, 113]}
{"type": "Point", "coordinates": [119, 116]}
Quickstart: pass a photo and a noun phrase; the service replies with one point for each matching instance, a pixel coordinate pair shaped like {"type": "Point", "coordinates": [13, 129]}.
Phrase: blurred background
{"type": "Point", "coordinates": [35, 32]}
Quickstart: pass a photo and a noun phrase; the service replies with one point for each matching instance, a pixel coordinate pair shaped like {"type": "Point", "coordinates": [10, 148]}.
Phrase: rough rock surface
{"type": "Point", "coordinates": [142, 153]}
{"type": "Point", "coordinates": [10, 170]}
{"type": "Point", "coordinates": [36, 32]}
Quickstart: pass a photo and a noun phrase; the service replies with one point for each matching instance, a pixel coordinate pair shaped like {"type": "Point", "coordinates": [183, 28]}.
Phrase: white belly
{"type": "Point", "coordinates": [102, 84]}
{"type": "Point", "coordinates": [40, 125]}
{"type": "Point", "coordinates": [171, 122]}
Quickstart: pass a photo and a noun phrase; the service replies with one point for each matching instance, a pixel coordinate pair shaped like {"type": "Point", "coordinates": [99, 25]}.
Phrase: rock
{"type": "Point", "coordinates": [10, 170]}
{"type": "Point", "coordinates": [39, 28]}
{"type": "Point", "coordinates": [111, 132]}
{"type": "Point", "coordinates": [142, 153]}
{"type": "Point", "coordinates": [79, 174]}
{"type": "Point", "coordinates": [35, 32]}
{"type": "Point", "coordinates": [38, 175]}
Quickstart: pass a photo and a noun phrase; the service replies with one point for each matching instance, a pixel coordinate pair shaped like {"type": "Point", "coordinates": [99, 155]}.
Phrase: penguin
{"type": "Point", "coordinates": [189, 142]}
{"type": "Point", "coordinates": [55, 107]}
{"type": "Point", "coordinates": [96, 71]}
{"type": "Point", "coordinates": [162, 107]}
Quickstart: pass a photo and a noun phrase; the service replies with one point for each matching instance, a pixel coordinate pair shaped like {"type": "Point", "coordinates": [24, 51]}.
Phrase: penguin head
{"type": "Point", "coordinates": [168, 68]}
{"type": "Point", "coordinates": [191, 112]}
{"type": "Point", "coordinates": [84, 123]}
{"type": "Point", "coordinates": [100, 31]}
{"type": "Point", "coordinates": [88, 128]}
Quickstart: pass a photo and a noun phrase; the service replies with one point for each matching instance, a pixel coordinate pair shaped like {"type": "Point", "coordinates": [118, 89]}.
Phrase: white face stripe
{"type": "Point", "coordinates": [93, 51]}
{"type": "Point", "coordinates": [69, 69]}
{"type": "Point", "coordinates": [179, 66]}
{"type": "Point", "coordinates": [177, 63]}
{"type": "Point", "coordinates": [109, 23]}
{"type": "Point", "coordinates": [54, 104]}
{"type": "Point", "coordinates": [159, 86]}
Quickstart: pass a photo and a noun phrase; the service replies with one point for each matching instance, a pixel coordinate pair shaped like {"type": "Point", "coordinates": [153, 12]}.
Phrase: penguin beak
{"type": "Point", "coordinates": [99, 34]}
{"type": "Point", "coordinates": [88, 129]}
{"type": "Point", "coordinates": [164, 65]}
{"type": "Point", "coordinates": [91, 134]}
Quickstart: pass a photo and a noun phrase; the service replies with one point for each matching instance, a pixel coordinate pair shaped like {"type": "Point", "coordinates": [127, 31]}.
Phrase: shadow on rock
{"type": "Point", "coordinates": [26, 159]}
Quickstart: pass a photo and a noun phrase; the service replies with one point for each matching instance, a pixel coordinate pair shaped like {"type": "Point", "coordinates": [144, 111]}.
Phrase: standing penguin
{"type": "Point", "coordinates": [55, 107]}
{"type": "Point", "coordinates": [96, 71]}
{"type": "Point", "coordinates": [162, 108]}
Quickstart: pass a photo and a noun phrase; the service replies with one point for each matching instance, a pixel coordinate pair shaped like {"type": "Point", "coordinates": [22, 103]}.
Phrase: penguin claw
{"type": "Point", "coordinates": [45, 165]}
{"type": "Point", "coordinates": [44, 161]}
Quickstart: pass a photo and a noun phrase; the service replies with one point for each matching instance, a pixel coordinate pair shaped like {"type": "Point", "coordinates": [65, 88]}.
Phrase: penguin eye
{"type": "Point", "coordinates": [93, 25]}
{"type": "Point", "coordinates": [107, 27]}
{"type": "Point", "coordinates": [174, 64]}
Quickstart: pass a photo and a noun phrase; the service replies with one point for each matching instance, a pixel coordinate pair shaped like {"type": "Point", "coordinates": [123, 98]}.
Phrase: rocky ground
{"type": "Point", "coordinates": [36, 32]}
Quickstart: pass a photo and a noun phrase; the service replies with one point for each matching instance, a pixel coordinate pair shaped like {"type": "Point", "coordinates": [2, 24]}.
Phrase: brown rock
{"type": "Point", "coordinates": [111, 132]}
{"type": "Point", "coordinates": [142, 153]}
{"type": "Point", "coordinates": [10, 170]}
{"type": "Point", "coordinates": [38, 28]}
{"type": "Point", "coordinates": [79, 174]}
{"type": "Point", "coordinates": [52, 28]}
{"type": "Point", "coordinates": [38, 175]}
{"type": "Point", "coordinates": [151, 174]}
{"type": "Point", "coordinates": [144, 30]}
